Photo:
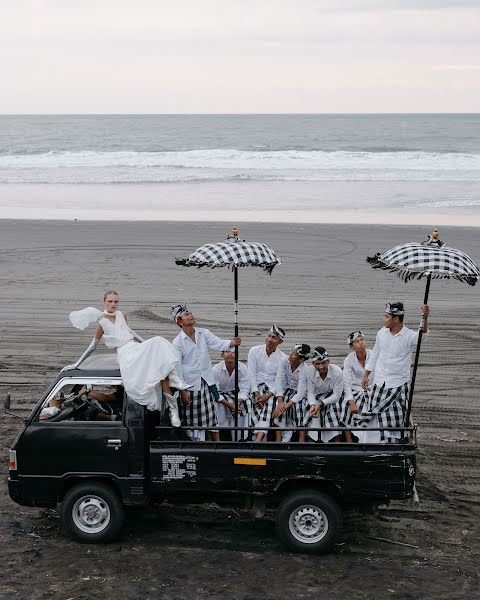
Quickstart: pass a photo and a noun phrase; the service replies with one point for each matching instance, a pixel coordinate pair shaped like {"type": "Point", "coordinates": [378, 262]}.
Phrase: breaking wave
{"type": "Point", "coordinates": [227, 165]}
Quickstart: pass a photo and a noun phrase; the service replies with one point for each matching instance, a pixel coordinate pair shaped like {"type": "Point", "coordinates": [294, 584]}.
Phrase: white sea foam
{"type": "Point", "coordinates": [230, 165]}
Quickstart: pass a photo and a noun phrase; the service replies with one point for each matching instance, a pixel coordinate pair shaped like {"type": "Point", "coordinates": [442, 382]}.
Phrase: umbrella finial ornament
{"type": "Point", "coordinates": [433, 240]}
{"type": "Point", "coordinates": [235, 232]}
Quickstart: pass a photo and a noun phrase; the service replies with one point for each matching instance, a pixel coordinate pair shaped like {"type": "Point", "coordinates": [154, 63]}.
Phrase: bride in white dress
{"type": "Point", "coordinates": [144, 364]}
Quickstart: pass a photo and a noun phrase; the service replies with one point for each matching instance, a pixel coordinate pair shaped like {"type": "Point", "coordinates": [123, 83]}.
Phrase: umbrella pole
{"type": "Point", "coordinates": [417, 354]}
{"type": "Point", "coordinates": [235, 309]}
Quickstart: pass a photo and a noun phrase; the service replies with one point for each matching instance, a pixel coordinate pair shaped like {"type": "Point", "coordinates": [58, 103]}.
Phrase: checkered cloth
{"type": "Point", "coordinates": [413, 261]}
{"type": "Point", "coordinates": [202, 411]}
{"type": "Point", "coordinates": [331, 414]}
{"type": "Point", "coordinates": [261, 416]}
{"type": "Point", "coordinates": [361, 399]}
{"type": "Point", "coordinates": [295, 416]}
{"type": "Point", "coordinates": [232, 253]}
{"type": "Point", "coordinates": [389, 406]}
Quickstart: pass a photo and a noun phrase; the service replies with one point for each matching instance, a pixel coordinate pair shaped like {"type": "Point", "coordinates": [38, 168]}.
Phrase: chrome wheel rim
{"type": "Point", "coordinates": [308, 524]}
{"type": "Point", "coordinates": [91, 514]}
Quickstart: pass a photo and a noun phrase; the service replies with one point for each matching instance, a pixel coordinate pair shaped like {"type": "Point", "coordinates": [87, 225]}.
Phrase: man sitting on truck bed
{"type": "Point", "coordinates": [263, 364]}
{"type": "Point", "coordinates": [224, 373]}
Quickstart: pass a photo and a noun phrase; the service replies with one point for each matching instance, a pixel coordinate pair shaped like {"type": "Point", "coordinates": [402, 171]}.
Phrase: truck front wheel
{"type": "Point", "coordinates": [92, 512]}
{"type": "Point", "coordinates": [309, 521]}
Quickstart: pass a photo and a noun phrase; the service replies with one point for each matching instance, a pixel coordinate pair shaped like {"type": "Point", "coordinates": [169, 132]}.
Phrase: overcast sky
{"type": "Point", "coordinates": [239, 56]}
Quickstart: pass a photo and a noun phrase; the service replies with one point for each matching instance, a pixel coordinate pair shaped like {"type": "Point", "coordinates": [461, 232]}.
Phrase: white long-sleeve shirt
{"type": "Point", "coordinates": [353, 372]}
{"type": "Point", "coordinates": [391, 357]}
{"type": "Point", "coordinates": [286, 378]}
{"type": "Point", "coordinates": [333, 382]}
{"type": "Point", "coordinates": [195, 363]}
{"type": "Point", "coordinates": [263, 368]}
{"type": "Point", "coordinates": [226, 382]}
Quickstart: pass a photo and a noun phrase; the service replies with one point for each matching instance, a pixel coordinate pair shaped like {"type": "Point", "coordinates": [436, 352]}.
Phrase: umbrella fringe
{"type": "Point", "coordinates": [184, 262]}
{"type": "Point", "coordinates": [409, 274]}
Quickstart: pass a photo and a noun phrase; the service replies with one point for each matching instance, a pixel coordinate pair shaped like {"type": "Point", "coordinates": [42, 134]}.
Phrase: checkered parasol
{"type": "Point", "coordinates": [232, 252]}
{"type": "Point", "coordinates": [414, 260]}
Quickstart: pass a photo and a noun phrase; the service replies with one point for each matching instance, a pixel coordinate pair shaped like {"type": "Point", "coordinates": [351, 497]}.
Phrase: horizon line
{"type": "Point", "coordinates": [232, 114]}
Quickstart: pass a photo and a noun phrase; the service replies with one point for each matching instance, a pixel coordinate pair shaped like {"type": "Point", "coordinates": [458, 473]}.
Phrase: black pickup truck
{"type": "Point", "coordinates": [95, 461]}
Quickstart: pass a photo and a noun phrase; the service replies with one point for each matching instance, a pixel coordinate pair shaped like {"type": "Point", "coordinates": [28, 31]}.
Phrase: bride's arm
{"type": "Point", "coordinates": [91, 348]}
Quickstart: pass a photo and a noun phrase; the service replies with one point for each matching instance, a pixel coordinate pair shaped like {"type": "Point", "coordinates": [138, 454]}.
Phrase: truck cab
{"type": "Point", "coordinates": [95, 460]}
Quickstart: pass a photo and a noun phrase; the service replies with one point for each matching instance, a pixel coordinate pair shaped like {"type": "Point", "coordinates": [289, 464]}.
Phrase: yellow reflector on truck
{"type": "Point", "coordinates": [259, 462]}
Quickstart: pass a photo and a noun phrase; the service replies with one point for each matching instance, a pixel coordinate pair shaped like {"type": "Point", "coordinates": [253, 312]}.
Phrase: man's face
{"type": "Point", "coordinates": [322, 367]}
{"type": "Point", "coordinates": [359, 345]}
{"type": "Point", "coordinates": [294, 358]}
{"type": "Point", "coordinates": [389, 320]}
{"type": "Point", "coordinates": [272, 341]}
{"type": "Point", "coordinates": [229, 359]}
{"type": "Point", "coordinates": [187, 320]}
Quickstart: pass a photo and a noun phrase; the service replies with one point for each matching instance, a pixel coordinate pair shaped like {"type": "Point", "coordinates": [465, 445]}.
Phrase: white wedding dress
{"type": "Point", "coordinates": [142, 364]}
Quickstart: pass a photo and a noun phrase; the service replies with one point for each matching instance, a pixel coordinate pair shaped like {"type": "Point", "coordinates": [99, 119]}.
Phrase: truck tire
{"type": "Point", "coordinates": [92, 512]}
{"type": "Point", "coordinates": [309, 521]}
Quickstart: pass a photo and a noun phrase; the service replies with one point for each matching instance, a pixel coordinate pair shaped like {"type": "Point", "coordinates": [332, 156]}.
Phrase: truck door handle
{"type": "Point", "coordinates": [114, 444]}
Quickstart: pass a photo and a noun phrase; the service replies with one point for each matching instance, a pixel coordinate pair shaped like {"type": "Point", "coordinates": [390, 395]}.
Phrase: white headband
{"type": "Point", "coordinates": [278, 331]}
{"type": "Point", "coordinates": [353, 336]}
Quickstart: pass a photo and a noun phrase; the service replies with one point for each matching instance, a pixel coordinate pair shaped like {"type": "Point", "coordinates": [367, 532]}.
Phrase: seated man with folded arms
{"type": "Point", "coordinates": [290, 413]}
{"type": "Point", "coordinates": [324, 396]}
{"type": "Point", "coordinates": [263, 364]}
{"type": "Point", "coordinates": [224, 377]}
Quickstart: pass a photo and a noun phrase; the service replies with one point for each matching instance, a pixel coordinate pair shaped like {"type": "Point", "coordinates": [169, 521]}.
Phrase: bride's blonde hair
{"type": "Point", "coordinates": [108, 292]}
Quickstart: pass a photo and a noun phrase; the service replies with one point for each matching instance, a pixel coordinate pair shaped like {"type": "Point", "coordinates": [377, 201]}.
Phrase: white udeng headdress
{"type": "Point", "coordinates": [278, 331]}
{"type": "Point", "coordinates": [178, 311]}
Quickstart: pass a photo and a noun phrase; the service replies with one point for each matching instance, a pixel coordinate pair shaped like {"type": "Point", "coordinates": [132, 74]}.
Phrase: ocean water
{"type": "Point", "coordinates": [308, 164]}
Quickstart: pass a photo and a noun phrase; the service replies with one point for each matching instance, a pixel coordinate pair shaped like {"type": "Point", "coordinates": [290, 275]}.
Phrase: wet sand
{"type": "Point", "coordinates": [323, 290]}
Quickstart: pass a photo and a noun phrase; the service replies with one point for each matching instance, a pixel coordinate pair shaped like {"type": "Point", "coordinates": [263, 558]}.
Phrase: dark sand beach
{"type": "Point", "coordinates": [323, 290]}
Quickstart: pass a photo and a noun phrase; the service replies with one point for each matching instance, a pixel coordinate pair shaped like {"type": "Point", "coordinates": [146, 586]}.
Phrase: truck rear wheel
{"type": "Point", "coordinates": [92, 512]}
{"type": "Point", "coordinates": [309, 521]}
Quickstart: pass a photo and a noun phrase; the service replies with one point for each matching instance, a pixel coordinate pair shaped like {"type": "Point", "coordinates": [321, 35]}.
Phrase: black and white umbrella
{"type": "Point", "coordinates": [414, 260]}
{"type": "Point", "coordinates": [431, 259]}
{"type": "Point", "coordinates": [233, 253]}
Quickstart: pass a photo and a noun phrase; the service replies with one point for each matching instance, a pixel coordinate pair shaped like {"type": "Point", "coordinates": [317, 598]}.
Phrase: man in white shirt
{"type": "Point", "coordinates": [391, 359]}
{"type": "Point", "coordinates": [324, 396]}
{"type": "Point", "coordinates": [195, 369]}
{"type": "Point", "coordinates": [356, 398]}
{"type": "Point", "coordinates": [288, 413]}
{"type": "Point", "coordinates": [263, 364]}
{"type": "Point", "coordinates": [224, 376]}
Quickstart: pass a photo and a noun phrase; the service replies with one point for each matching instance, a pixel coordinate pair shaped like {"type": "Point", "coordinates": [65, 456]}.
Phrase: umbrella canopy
{"type": "Point", "coordinates": [232, 253]}
{"type": "Point", "coordinates": [414, 260]}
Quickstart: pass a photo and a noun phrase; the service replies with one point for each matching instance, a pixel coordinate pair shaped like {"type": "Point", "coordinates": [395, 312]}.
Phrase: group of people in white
{"type": "Point", "coordinates": [365, 401]}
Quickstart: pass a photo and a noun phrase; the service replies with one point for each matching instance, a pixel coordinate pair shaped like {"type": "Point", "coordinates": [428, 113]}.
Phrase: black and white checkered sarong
{"type": "Point", "coordinates": [202, 410]}
{"type": "Point", "coordinates": [331, 414]}
{"type": "Point", "coordinates": [297, 414]}
{"type": "Point", "coordinates": [388, 405]}
{"type": "Point", "coordinates": [361, 399]}
{"type": "Point", "coordinates": [261, 415]}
